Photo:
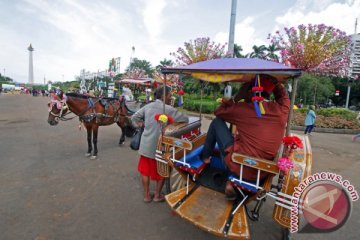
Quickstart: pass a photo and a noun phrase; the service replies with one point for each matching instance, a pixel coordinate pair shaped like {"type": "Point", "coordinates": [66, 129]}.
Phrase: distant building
{"type": "Point", "coordinates": [113, 70]}
{"type": "Point", "coordinates": [355, 56]}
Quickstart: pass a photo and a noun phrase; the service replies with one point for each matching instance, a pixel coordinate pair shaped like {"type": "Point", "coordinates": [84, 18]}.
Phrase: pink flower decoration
{"type": "Point", "coordinates": [285, 164]}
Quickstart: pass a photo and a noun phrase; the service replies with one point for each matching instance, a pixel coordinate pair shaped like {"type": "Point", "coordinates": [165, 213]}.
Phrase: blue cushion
{"type": "Point", "coordinates": [193, 158]}
{"type": "Point", "coordinates": [244, 185]}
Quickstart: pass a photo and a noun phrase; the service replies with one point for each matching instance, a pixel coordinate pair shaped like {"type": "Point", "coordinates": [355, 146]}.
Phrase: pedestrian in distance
{"type": "Point", "coordinates": [310, 120]}
{"type": "Point", "coordinates": [355, 137]}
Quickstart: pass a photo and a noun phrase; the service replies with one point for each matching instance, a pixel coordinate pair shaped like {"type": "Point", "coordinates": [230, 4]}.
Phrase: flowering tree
{"type": "Point", "coordinates": [317, 49]}
{"type": "Point", "coordinates": [200, 49]}
{"type": "Point", "coordinates": [135, 73]}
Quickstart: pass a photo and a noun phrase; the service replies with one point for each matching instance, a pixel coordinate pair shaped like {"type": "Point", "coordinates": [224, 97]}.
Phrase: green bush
{"type": "Point", "coordinates": [141, 98]}
{"type": "Point", "coordinates": [342, 112]}
{"type": "Point", "coordinates": [208, 105]}
{"type": "Point", "coordinates": [330, 112]}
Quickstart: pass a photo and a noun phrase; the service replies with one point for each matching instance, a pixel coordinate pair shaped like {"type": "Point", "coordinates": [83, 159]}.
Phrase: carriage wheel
{"type": "Point", "coordinates": [174, 182]}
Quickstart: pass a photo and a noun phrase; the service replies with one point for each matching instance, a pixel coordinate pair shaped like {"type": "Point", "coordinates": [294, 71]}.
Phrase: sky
{"type": "Point", "coordinates": [70, 35]}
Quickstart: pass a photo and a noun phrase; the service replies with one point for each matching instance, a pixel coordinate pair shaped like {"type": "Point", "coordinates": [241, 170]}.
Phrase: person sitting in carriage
{"type": "Point", "coordinates": [256, 136]}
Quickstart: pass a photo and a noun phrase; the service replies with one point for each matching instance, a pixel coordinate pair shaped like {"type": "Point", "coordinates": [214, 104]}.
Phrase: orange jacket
{"type": "Point", "coordinates": [256, 136]}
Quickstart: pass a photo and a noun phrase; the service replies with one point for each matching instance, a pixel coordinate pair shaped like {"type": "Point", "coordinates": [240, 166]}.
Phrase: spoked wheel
{"type": "Point", "coordinates": [286, 234]}
{"type": "Point", "coordinates": [174, 182]}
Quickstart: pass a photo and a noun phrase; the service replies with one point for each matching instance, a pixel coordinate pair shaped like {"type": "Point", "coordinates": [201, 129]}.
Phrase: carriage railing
{"type": "Point", "coordinates": [283, 193]}
{"type": "Point", "coordinates": [177, 131]}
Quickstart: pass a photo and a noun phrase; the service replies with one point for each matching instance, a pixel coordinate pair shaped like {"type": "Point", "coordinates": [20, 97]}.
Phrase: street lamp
{"type": "Point", "coordinates": [4, 74]}
{"type": "Point", "coordinates": [63, 77]}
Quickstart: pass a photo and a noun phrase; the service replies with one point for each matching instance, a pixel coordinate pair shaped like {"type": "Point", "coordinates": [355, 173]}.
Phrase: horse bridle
{"type": "Point", "coordinates": [63, 106]}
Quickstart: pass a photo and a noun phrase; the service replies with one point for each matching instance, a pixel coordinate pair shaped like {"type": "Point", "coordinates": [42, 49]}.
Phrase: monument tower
{"type": "Point", "coordinates": [31, 72]}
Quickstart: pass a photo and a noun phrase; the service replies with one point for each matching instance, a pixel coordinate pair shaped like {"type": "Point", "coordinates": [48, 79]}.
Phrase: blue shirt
{"type": "Point", "coordinates": [310, 118]}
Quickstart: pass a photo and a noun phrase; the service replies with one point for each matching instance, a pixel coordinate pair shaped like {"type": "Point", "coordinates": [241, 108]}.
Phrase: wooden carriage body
{"type": "Point", "coordinates": [207, 208]}
{"type": "Point", "coordinates": [196, 196]}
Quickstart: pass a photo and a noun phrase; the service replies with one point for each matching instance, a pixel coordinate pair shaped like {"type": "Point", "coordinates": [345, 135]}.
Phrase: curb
{"type": "Point", "coordinates": [299, 128]}
{"type": "Point", "coordinates": [328, 130]}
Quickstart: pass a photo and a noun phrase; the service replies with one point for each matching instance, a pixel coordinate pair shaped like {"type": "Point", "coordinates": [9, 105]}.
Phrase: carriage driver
{"type": "Point", "coordinates": [255, 136]}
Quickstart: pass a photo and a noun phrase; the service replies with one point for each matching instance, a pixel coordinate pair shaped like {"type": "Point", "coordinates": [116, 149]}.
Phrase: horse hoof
{"type": "Point", "coordinates": [93, 157]}
{"type": "Point", "coordinates": [121, 143]}
{"type": "Point", "coordinates": [87, 154]}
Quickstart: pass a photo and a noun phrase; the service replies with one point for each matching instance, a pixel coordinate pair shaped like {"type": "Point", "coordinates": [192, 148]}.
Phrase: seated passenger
{"type": "Point", "coordinates": [255, 136]}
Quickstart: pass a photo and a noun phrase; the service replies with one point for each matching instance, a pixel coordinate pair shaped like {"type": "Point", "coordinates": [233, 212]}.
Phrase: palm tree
{"type": "Point", "coordinates": [164, 63]}
{"type": "Point", "coordinates": [237, 51]}
{"type": "Point", "coordinates": [258, 52]}
{"type": "Point", "coordinates": [271, 53]}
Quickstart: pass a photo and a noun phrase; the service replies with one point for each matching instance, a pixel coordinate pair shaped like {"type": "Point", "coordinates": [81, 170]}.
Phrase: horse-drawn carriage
{"type": "Point", "coordinates": [196, 190]}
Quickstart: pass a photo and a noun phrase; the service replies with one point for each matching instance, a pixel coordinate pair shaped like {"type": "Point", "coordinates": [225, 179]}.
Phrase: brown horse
{"type": "Point", "coordinates": [92, 112]}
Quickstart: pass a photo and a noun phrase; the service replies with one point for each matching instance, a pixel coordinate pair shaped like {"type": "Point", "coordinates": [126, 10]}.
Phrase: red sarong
{"type": "Point", "coordinates": [147, 167]}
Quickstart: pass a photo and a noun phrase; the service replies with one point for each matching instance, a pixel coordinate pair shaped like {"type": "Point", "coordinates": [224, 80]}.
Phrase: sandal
{"type": "Point", "coordinates": [148, 200]}
{"type": "Point", "coordinates": [161, 198]}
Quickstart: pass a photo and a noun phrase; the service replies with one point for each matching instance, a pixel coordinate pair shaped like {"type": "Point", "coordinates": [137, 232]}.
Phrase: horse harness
{"type": "Point", "coordinates": [98, 116]}
{"type": "Point", "coordinates": [62, 105]}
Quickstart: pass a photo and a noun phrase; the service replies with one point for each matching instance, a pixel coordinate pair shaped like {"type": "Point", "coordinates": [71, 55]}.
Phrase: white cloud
{"type": "Point", "coordinates": [338, 15]}
{"type": "Point", "coordinates": [71, 35]}
{"type": "Point", "coordinates": [245, 35]}
{"type": "Point", "coordinates": [153, 19]}
{"type": "Point", "coordinates": [87, 36]}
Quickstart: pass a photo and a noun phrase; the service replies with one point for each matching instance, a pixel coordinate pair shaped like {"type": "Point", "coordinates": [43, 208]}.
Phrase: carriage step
{"type": "Point", "coordinates": [210, 211]}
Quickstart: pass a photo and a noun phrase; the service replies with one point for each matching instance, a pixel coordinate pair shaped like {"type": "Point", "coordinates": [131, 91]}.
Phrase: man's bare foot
{"type": "Point", "coordinates": [230, 193]}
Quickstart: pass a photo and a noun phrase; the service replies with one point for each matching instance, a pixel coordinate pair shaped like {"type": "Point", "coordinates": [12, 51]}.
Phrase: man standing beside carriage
{"type": "Point", "coordinates": [145, 117]}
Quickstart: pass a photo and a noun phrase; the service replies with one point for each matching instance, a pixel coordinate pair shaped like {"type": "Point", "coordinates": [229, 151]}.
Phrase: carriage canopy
{"type": "Point", "coordinates": [140, 81]}
{"type": "Point", "coordinates": [234, 70]}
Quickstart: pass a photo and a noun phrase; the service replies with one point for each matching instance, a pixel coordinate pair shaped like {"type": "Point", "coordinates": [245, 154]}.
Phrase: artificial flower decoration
{"type": "Point", "coordinates": [55, 99]}
{"type": "Point", "coordinates": [292, 142]}
{"type": "Point", "coordinates": [180, 83]}
{"type": "Point", "coordinates": [164, 119]}
{"type": "Point", "coordinates": [181, 92]}
{"type": "Point", "coordinates": [257, 89]}
{"type": "Point", "coordinates": [257, 98]}
{"type": "Point", "coordinates": [285, 164]}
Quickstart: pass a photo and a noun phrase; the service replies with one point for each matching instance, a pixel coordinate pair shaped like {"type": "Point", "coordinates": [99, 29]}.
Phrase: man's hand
{"type": "Point", "coordinates": [140, 124]}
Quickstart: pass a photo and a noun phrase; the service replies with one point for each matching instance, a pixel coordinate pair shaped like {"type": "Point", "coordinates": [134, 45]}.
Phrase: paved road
{"type": "Point", "coordinates": [50, 190]}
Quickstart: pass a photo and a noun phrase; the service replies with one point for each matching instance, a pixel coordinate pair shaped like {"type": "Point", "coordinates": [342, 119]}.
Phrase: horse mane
{"type": "Point", "coordinates": [79, 95]}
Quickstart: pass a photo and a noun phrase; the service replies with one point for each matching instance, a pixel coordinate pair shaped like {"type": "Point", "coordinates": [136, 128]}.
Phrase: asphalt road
{"type": "Point", "coordinates": [50, 190]}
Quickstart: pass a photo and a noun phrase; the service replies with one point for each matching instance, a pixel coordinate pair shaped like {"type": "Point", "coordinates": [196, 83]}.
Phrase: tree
{"type": "Point", "coordinates": [164, 63]}
{"type": "Point", "coordinates": [316, 49]}
{"type": "Point", "coordinates": [142, 65]}
{"type": "Point", "coordinates": [237, 51]}
{"type": "Point", "coordinates": [135, 73]}
{"type": "Point", "coordinates": [258, 52]}
{"type": "Point", "coordinates": [271, 53]}
{"type": "Point", "coordinates": [314, 89]}
{"type": "Point", "coordinates": [341, 84]}
{"type": "Point", "coordinates": [200, 49]}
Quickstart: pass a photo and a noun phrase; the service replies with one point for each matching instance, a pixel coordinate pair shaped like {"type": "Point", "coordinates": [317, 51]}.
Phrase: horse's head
{"type": "Point", "coordinates": [57, 107]}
